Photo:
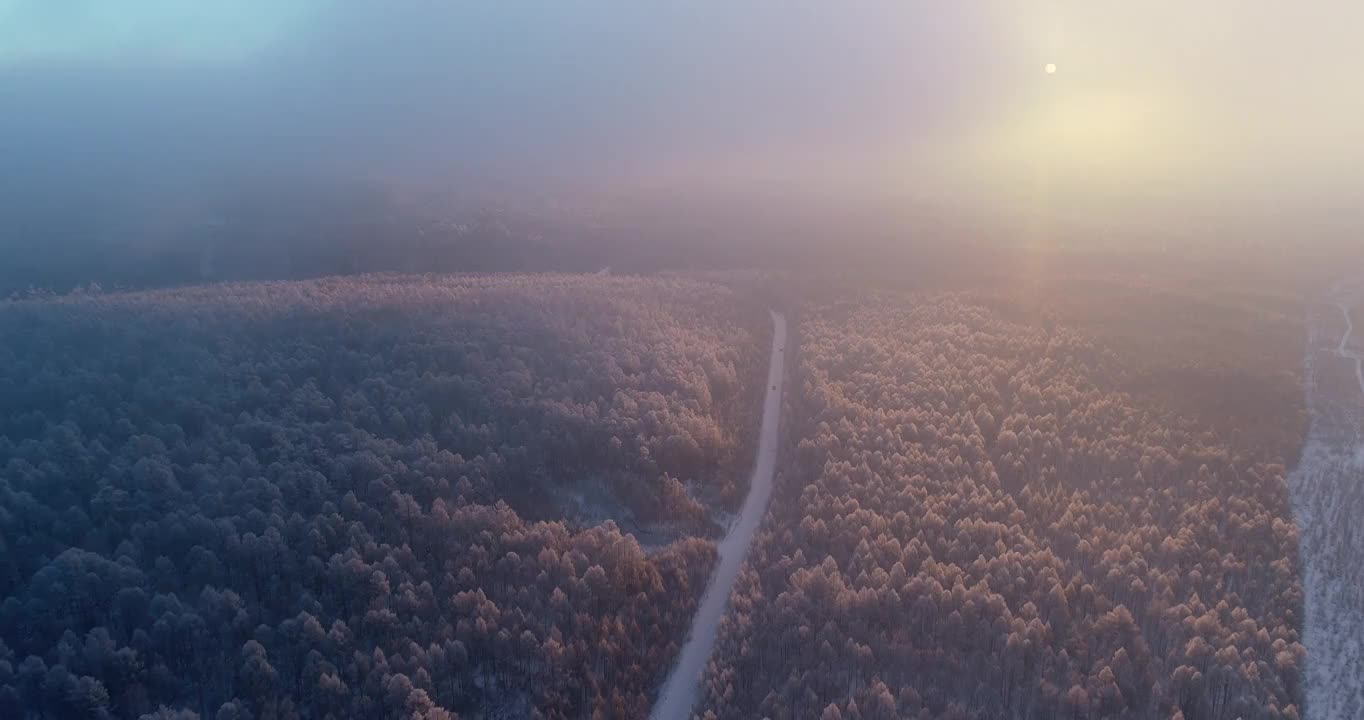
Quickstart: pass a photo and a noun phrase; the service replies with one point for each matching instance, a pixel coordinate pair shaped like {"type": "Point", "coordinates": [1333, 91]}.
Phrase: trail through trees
{"type": "Point", "coordinates": [1343, 349]}
{"type": "Point", "coordinates": [680, 690]}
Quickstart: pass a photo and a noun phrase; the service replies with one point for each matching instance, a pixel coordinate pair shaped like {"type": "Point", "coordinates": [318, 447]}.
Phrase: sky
{"type": "Point", "coordinates": [1164, 119]}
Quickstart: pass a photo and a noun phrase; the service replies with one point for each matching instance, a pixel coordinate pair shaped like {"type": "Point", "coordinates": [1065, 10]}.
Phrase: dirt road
{"type": "Point", "coordinates": [682, 687]}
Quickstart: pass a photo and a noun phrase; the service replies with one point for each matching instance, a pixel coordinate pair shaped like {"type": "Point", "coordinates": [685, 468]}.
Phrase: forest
{"type": "Point", "coordinates": [497, 496]}
{"type": "Point", "coordinates": [1017, 503]}
{"type": "Point", "coordinates": [376, 496]}
{"type": "Point", "coordinates": [699, 360]}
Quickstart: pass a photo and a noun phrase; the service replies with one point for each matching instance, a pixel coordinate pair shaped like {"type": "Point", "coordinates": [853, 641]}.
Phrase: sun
{"type": "Point", "coordinates": [1050, 68]}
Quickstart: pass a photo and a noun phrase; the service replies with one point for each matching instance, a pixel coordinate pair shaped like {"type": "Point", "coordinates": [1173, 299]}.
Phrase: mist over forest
{"type": "Point", "coordinates": [698, 361]}
{"type": "Point", "coordinates": [157, 144]}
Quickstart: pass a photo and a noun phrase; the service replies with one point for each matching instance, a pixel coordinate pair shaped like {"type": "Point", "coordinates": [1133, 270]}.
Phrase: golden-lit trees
{"type": "Point", "coordinates": [976, 521]}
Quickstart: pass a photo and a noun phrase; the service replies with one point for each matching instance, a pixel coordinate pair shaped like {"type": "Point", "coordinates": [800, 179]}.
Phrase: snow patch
{"type": "Point", "coordinates": [1327, 489]}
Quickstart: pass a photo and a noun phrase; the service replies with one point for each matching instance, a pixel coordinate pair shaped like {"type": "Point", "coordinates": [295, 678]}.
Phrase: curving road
{"type": "Point", "coordinates": [681, 688]}
{"type": "Point", "coordinates": [1345, 340]}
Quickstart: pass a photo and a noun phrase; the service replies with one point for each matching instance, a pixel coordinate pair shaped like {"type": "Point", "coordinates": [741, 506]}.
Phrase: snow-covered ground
{"type": "Point", "coordinates": [1328, 500]}
{"type": "Point", "coordinates": [681, 688]}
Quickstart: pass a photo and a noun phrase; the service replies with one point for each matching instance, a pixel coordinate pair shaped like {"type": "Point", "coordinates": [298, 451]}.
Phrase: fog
{"type": "Point", "coordinates": [829, 359]}
{"type": "Point", "coordinates": [1163, 122]}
